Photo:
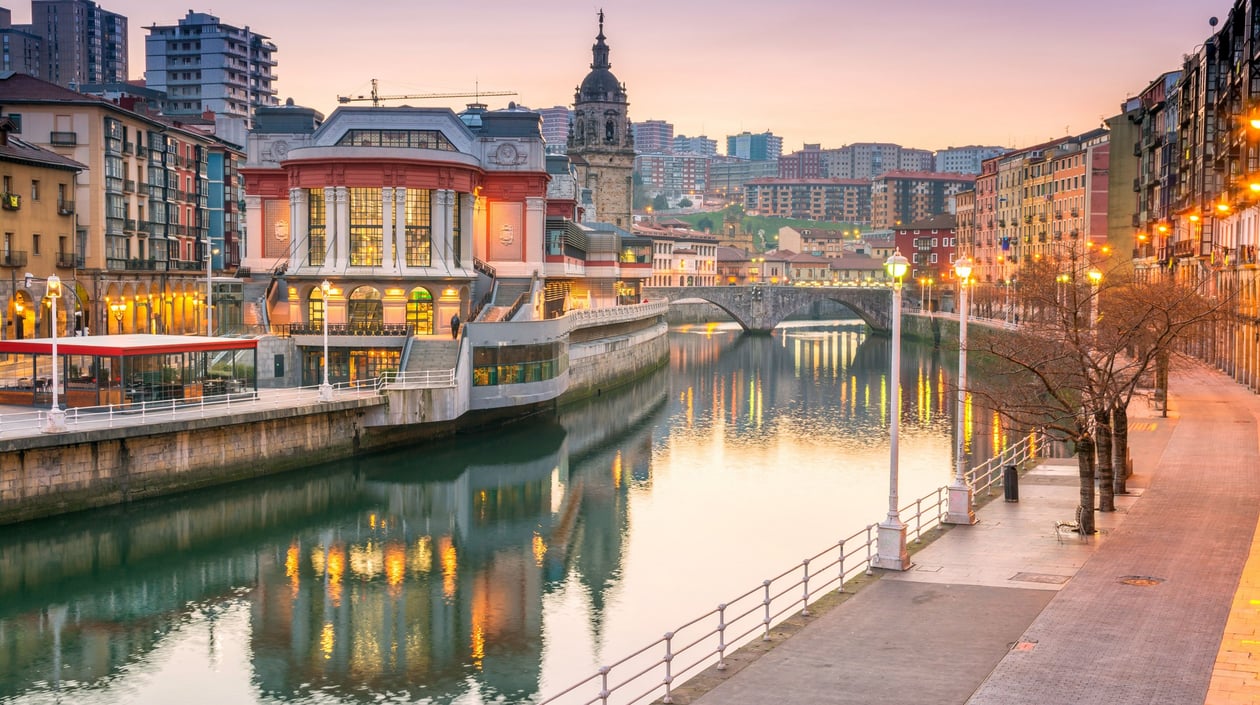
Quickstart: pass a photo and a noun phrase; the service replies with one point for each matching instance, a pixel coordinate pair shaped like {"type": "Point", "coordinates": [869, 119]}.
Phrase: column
{"type": "Point", "coordinates": [389, 220]}
{"type": "Point", "coordinates": [399, 232]}
{"type": "Point", "coordinates": [339, 226]}
{"type": "Point", "coordinates": [299, 230]}
{"type": "Point", "coordinates": [536, 229]}
{"type": "Point", "coordinates": [440, 228]}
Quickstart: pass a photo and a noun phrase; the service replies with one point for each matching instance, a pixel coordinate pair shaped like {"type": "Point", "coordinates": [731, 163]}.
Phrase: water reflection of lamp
{"type": "Point", "coordinates": [890, 545]}
{"type": "Point", "coordinates": [959, 511]}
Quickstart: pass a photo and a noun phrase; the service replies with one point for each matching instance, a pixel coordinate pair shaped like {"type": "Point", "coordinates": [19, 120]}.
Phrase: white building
{"type": "Point", "coordinates": [965, 160]}
{"type": "Point", "coordinates": [203, 64]}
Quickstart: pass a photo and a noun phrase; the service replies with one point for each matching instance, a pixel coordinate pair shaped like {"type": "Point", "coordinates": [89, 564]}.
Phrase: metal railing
{"type": "Point", "coordinates": [87, 418]}
{"type": "Point", "coordinates": [653, 671]}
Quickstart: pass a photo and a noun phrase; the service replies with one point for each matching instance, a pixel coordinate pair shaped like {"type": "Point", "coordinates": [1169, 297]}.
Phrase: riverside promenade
{"type": "Point", "coordinates": [1161, 606]}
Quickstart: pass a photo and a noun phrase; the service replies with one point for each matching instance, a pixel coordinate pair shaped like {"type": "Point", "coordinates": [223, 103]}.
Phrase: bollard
{"type": "Point", "coordinates": [1010, 483]}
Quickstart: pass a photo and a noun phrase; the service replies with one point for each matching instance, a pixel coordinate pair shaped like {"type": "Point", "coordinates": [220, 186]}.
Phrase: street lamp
{"type": "Point", "coordinates": [118, 308]}
{"type": "Point", "coordinates": [890, 545]}
{"type": "Point", "coordinates": [325, 389]}
{"type": "Point", "coordinates": [959, 511]}
{"type": "Point", "coordinates": [56, 421]}
{"type": "Point", "coordinates": [210, 253]}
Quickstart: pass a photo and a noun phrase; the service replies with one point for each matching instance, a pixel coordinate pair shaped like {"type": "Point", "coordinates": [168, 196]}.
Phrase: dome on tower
{"type": "Point", "coordinates": [600, 84]}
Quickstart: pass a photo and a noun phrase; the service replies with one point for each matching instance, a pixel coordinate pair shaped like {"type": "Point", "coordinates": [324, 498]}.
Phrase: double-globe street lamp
{"type": "Point", "coordinates": [55, 422]}
{"type": "Point", "coordinates": [890, 544]}
{"type": "Point", "coordinates": [210, 253]}
{"type": "Point", "coordinates": [959, 510]}
{"type": "Point", "coordinates": [325, 389]}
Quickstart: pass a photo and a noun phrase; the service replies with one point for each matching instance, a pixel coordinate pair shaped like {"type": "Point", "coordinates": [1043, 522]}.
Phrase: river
{"type": "Point", "coordinates": [498, 567]}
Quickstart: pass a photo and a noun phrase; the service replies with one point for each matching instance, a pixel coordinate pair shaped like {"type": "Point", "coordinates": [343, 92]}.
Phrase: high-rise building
{"type": "Point", "coordinates": [965, 160]}
{"type": "Point", "coordinates": [701, 145]}
{"type": "Point", "coordinates": [555, 128]}
{"type": "Point", "coordinates": [674, 175]}
{"type": "Point", "coordinates": [805, 164]}
{"type": "Point", "coordinates": [82, 42]}
{"type": "Point", "coordinates": [866, 160]}
{"type": "Point", "coordinates": [21, 48]}
{"type": "Point", "coordinates": [601, 141]}
{"type": "Point", "coordinates": [653, 137]}
{"type": "Point", "coordinates": [206, 65]}
{"type": "Point", "coordinates": [761, 147]}
{"type": "Point", "coordinates": [900, 197]}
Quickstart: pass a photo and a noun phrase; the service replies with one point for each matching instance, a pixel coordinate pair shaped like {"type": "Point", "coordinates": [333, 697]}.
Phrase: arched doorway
{"type": "Point", "coordinates": [365, 311]}
{"type": "Point", "coordinates": [315, 309]}
{"type": "Point", "coordinates": [21, 312]}
{"type": "Point", "coordinates": [420, 311]}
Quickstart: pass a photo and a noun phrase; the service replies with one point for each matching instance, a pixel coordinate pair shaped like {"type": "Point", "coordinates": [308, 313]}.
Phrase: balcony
{"type": "Point", "coordinates": [139, 150]}
{"type": "Point", "coordinates": [129, 186]}
{"type": "Point", "coordinates": [67, 260]}
{"type": "Point", "coordinates": [63, 139]}
{"type": "Point", "coordinates": [130, 225]}
{"type": "Point", "coordinates": [186, 266]}
{"type": "Point", "coordinates": [13, 259]}
{"type": "Point", "coordinates": [65, 207]}
{"type": "Point", "coordinates": [128, 148]}
{"type": "Point", "coordinates": [10, 201]}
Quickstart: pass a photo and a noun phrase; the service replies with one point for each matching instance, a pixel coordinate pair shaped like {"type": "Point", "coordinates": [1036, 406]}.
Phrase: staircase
{"type": "Point", "coordinates": [432, 353]}
{"type": "Point", "coordinates": [505, 296]}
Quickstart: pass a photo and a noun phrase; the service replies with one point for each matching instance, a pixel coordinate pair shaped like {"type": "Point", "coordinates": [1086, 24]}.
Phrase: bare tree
{"type": "Point", "coordinates": [1089, 334]}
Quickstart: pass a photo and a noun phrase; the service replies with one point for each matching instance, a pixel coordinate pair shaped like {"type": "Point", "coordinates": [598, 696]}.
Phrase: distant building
{"type": "Point", "coordinates": [761, 147]}
{"type": "Point", "coordinates": [21, 47]}
{"type": "Point", "coordinates": [204, 64]}
{"type": "Point", "coordinates": [965, 160]}
{"type": "Point", "coordinates": [729, 177]}
{"type": "Point", "coordinates": [653, 137]}
{"type": "Point", "coordinates": [900, 197]}
{"type": "Point", "coordinates": [805, 164]}
{"type": "Point", "coordinates": [866, 160]}
{"type": "Point", "coordinates": [680, 256]}
{"type": "Point", "coordinates": [830, 200]}
{"type": "Point", "coordinates": [701, 145]}
{"type": "Point", "coordinates": [817, 242]}
{"type": "Point", "coordinates": [81, 42]}
{"type": "Point", "coordinates": [555, 128]}
{"type": "Point", "coordinates": [673, 175]}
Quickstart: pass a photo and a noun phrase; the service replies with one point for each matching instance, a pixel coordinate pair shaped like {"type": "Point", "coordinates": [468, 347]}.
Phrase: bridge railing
{"type": "Point", "coordinates": [655, 670]}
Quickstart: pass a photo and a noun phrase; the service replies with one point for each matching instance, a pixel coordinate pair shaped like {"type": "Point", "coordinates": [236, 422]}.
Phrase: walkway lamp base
{"type": "Point", "coordinates": [55, 421]}
{"type": "Point", "coordinates": [960, 510]}
{"type": "Point", "coordinates": [890, 546]}
{"type": "Point", "coordinates": [325, 392]}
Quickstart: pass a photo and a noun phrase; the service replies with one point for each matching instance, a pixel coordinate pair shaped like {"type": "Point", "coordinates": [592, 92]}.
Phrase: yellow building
{"type": "Point", "coordinates": [37, 230]}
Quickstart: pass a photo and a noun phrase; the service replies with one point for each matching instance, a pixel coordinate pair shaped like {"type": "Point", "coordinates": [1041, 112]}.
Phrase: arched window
{"type": "Point", "coordinates": [610, 131]}
{"type": "Point", "coordinates": [315, 308]}
{"type": "Point", "coordinates": [420, 311]}
{"type": "Point", "coordinates": [365, 310]}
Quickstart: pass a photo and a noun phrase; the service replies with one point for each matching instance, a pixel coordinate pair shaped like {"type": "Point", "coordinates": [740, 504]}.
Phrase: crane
{"type": "Point", "coordinates": [376, 97]}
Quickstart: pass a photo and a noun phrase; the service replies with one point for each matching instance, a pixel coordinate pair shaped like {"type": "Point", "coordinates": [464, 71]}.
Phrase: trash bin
{"type": "Point", "coordinates": [1010, 483]}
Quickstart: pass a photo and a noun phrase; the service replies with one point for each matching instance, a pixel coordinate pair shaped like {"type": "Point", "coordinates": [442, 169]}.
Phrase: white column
{"type": "Point", "coordinates": [399, 233]}
{"type": "Point", "coordinates": [339, 222]}
{"type": "Point", "coordinates": [440, 228]}
{"type": "Point", "coordinates": [299, 230]}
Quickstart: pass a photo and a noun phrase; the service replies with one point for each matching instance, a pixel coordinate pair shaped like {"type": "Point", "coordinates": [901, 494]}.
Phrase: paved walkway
{"type": "Point", "coordinates": [1150, 610]}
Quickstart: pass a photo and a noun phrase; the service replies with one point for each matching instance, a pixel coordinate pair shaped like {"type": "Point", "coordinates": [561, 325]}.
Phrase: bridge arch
{"type": "Point", "coordinates": [759, 308]}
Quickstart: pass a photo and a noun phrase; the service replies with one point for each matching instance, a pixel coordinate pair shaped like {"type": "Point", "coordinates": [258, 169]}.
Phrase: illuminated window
{"type": "Point", "coordinates": [420, 311]}
{"type": "Point", "coordinates": [315, 307]}
{"type": "Point", "coordinates": [366, 227]}
{"type": "Point", "coordinates": [419, 228]}
{"type": "Point", "coordinates": [317, 225]}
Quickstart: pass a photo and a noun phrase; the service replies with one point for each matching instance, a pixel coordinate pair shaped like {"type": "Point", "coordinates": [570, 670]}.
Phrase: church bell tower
{"type": "Point", "coordinates": [601, 139]}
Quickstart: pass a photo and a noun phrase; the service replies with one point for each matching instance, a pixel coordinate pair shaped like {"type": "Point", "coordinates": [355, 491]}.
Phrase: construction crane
{"type": "Point", "coordinates": [376, 97]}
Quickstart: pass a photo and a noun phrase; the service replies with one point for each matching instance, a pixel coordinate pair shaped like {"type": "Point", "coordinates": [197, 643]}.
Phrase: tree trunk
{"type": "Point", "coordinates": [1102, 451]}
{"type": "Point", "coordinates": [1085, 463]}
{"type": "Point", "coordinates": [1120, 448]}
{"type": "Point", "coordinates": [1161, 381]}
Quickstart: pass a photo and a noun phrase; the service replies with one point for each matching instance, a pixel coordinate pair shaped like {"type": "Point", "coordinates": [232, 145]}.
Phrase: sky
{"type": "Point", "coordinates": [921, 73]}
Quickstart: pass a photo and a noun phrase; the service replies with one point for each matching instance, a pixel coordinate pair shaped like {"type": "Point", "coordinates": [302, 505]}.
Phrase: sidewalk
{"type": "Point", "coordinates": [1006, 612]}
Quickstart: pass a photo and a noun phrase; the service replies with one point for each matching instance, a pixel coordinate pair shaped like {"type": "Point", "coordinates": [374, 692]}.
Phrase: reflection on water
{"type": "Point", "coordinates": [496, 567]}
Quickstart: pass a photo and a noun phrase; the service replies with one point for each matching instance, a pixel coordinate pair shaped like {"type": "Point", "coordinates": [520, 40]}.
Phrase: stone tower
{"type": "Point", "coordinates": [601, 140]}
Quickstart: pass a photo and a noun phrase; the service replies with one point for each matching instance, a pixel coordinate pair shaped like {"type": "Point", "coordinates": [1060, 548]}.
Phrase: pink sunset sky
{"type": "Point", "coordinates": [921, 73]}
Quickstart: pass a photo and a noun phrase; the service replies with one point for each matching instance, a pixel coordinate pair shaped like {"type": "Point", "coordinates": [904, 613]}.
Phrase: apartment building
{"type": "Point", "coordinates": [673, 175]}
{"type": "Point", "coordinates": [900, 197]}
{"type": "Point", "coordinates": [866, 160]}
{"type": "Point", "coordinates": [653, 137]}
{"type": "Point", "coordinates": [21, 48]}
{"type": "Point", "coordinates": [700, 145]}
{"type": "Point", "coordinates": [965, 160]}
{"type": "Point", "coordinates": [142, 208]}
{"type": "Point", "coordinates": [805, 164]}
{"type": "Point", "coordinates": [760, 147]}
{"type": "Point", "coordinates": [82, 43]}
{"type": "Point", "coordinates": [830, 200]}
{"type": "Point", "coordinates": [204, 64]}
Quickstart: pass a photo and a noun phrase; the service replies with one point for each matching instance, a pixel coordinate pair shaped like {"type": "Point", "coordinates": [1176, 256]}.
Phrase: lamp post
{"type": "Point", "coordinates": [930, 282]}
{"type": "Point", "coordinates": [118, 308]}
{"type": "Point", "coordinates": [210, 253]}
{"type": "Point", "coordinates": [1095, 277]}
{"type": "Point", "coordinates": [890, 546]}
{"type": "Point", "coordinates": [960, 511]}
{"type": "Point", "coordinates": [325, 388]}
{"type": "Point", "coordinates": [56, 421]}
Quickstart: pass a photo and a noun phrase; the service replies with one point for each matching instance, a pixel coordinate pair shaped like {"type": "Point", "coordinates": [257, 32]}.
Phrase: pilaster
{"type": "Point", "coordinates": [339, 217]}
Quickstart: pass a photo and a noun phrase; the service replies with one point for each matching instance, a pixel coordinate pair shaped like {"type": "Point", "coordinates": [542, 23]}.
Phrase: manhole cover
{"type": "Point", "coordinates": [1141, 580]}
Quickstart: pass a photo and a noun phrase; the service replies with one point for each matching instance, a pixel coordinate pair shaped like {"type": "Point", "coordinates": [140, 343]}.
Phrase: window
{"type": "Point", "coordinates": [315, 307]}
{"type": "Point", "coordinates": [316, 226]}
{"type": "Point", "coordinates": [414, 139]}
{"type": "Point", "coordinates": [457, 226]}
{"type": "Point", "coordinates": [35, 244]}
{"type": "Point", "coordinates": [420, 311]}
{"type": "Point", "coordinates": [419, 230]}
{"type": "Point", "coordinates": [34, 189]}
{"type": "Point", "coordinates": [364, 309]}
{"type": "Point", "coordinates": [366, 227]}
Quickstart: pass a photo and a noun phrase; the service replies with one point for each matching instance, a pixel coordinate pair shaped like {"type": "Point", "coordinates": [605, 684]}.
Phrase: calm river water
{"type": "Point", "coordinates": [495, 568]}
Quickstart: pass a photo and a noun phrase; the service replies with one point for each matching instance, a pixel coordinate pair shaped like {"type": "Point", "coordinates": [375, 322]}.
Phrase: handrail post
{"type": "Point", "coordinates": [603, 687]}
{"type": "Point", "coordinates": [870, 569]}
{"type": "Point", "coordinates": [841, 589]}
{"type": "Point", "coordinates": [766, 602]}
{"type": "Point", "coordinates": [669, 658]}
{"type": "Point", "coordinates": [721, 649]}
{"type": "Point", "coordinates": [918, 520]}
{"type": "Point", "coordinates": [805, 594]}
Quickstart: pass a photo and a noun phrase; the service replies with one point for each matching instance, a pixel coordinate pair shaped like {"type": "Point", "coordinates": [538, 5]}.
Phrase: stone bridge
{"type": "Point", "coordinates": [759, 308]}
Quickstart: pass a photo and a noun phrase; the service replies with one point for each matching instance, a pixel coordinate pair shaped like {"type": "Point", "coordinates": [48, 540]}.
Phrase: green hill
{"type": "Point", "coordinates": [759, 225]}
